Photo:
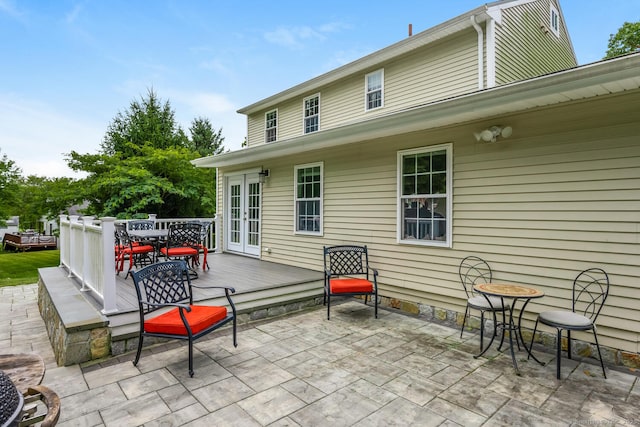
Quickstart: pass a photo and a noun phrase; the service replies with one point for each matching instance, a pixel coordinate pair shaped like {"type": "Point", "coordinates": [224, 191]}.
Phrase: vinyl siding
{"type": "Point", "coordinates": [560, 195]}
{"type": "Point", "coordinates": [444, 69]}
{"type": "Point", "coordinates": [524, 49]}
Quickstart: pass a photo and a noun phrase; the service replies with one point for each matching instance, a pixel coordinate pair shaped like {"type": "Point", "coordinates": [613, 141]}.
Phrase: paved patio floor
{"type": "Point", "coordinates": [302, 370]}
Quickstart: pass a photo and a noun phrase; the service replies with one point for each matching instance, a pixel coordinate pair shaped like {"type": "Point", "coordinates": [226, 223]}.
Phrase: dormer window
{"type": "Point", "coordinates": [554, 21]}
{"type": "Point", "coordinates": [312, 114]}
{"type": "Point", "coordinates": [374, 90]}
{"type": "Point", "coordinates": [271, 126]}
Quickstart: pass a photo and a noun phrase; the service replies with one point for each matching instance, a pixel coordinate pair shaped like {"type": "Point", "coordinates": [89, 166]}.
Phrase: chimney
{"type": "Point", "coordinates": [410, 30]}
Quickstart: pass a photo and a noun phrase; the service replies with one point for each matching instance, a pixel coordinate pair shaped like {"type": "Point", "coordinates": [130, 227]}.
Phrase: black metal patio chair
{"type": "Point", "coordinates": [474, 270]}
{"type": "Point", "coordinates": [347, 273]}
{"type": "Point", "coordinates": [138, 254]}
{"type": "Point", "coordinates": [590, 290]}
{"type": "Point", "coordinates": [166, 285]}
{"type": "Point", "coordinates": [183, 242]}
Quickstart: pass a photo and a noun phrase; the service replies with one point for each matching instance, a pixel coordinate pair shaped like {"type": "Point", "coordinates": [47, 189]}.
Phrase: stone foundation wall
{"type": "Point", "coordinates": [611, 356]}
{"type": "Point", "coordinates": [72, 341]}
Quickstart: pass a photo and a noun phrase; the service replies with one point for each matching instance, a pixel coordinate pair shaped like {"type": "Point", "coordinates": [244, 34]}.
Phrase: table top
{"type": "Point", "coordinates": [508, 290]}
{"type": "Point", "coordinates": [148, 234]}
{"type": "Point", "coordinates": [25, 369]}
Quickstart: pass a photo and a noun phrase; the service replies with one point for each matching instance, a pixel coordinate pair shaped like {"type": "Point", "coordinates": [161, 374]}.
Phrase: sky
{"type": "Point", "coordinates": [68, 67]}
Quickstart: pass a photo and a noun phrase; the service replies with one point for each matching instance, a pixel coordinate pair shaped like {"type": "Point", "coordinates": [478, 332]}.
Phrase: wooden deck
{"type": "Point", "coordinates": [259, 285]}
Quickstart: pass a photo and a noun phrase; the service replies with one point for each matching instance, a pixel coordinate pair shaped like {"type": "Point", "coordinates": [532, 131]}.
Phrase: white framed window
{"type": "Point", "coordinates": [425, 195]}
{"type": "Point", "coordinates": [554, 21]}
{"type": "Point", "coordinates": [271, 126]}
{"type": "Point", "coordinates": [308, 198]}
{"type": "Point", "coordinates": [374, 90]}
{"type": "Point", "coordinates": [312, 114]}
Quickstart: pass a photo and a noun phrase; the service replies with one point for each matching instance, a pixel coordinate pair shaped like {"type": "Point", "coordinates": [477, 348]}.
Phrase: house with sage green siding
{"type": "Point", "coordinates": [480, 136]}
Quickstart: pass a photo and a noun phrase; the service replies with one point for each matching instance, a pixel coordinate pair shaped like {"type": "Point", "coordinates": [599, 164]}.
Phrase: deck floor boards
{"type": "Point", "coordinates": [245, 274]}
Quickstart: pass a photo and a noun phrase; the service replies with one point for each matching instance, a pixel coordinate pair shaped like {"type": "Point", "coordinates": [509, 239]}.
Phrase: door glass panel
{"type": "Point", "coordinates": [235, 213]}
{"type": "Point", "coordinates": [253, 231]}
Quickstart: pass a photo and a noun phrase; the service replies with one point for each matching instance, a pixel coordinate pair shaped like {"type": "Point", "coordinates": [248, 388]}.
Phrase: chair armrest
{"type": "Point", "coordinates": [229, 288]}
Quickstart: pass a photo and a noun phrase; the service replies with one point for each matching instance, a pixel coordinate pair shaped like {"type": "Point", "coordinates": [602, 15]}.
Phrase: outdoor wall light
{"type": "Point", "coordinates": [262, 175]}
{"type": "Point", "coordinates": [493, 132]}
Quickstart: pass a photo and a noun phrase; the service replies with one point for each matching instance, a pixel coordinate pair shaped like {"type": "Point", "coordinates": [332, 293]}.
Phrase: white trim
{"type": "Point", "coordinates": [366, 90]}
{"type": "Point", "coordinates": [304, 109]}
{"type": "Point", "coordinates": [448, 147]}
{"type": "Point", "coordinates": [295, 199]}
{"type": "Point", "coordinates": [276, 126]}
{"type": "Point", "coordinates": [555, 29]}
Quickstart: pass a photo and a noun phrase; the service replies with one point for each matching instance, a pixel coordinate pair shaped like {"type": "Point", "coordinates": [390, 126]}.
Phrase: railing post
{"type": "Point", "coordinates": [86, 256]}
{"type": "Point", "coordinates": [72, 247]}
{"type": "Point", "coordinates": [109, 267]}
{"type": "Point", "coordinates": [216, 227]}
{"type": "Point", "coordinates": [63, 241]}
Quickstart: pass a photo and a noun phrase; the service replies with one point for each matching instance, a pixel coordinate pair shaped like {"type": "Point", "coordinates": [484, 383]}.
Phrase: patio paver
{"type": "Point", "coordinates": [302, 370]}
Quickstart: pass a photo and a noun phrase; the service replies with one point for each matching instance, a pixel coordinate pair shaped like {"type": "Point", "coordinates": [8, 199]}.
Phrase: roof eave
{"type": "Point", "coordinates": [611, 76]}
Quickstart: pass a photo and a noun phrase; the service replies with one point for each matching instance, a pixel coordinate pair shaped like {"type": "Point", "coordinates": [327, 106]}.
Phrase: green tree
{"type": "Point", "coordinates": [10, 179]}
{"type": "Point", "coordinates": [145, 167]}
{"type": "Point", "coordinates": [204, 139]}
{"type": "Point", "coordinates": [147, 121]}
{"type": "Point", "coordinates": [45, 197]}
{"type": "Point", "coordinates": [626, 40]}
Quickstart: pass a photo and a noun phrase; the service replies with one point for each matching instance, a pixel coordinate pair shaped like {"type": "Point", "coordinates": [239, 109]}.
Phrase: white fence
{"type": "Point", "coordinates": [87, 252]}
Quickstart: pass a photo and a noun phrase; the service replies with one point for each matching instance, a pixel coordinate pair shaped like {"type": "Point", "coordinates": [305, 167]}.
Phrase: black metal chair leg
{"type": "Point", "coordinates": [464, 320]}
{"type": "Point", "coordinates": [595, 336]}
{"type": "Point", "coordinates": [558, 353]}
{"type": "Point", "coordinates": [135, 362]}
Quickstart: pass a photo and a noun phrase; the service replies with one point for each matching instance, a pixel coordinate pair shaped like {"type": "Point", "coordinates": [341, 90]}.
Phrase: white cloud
{"type": "Point", "coordinates": [292, 37]}
{"type": "Point", "coordinates": [36, 136]}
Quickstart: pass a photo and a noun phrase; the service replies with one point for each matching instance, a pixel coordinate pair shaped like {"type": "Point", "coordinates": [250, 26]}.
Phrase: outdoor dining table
{"type": "Point", "coordinates": [157, 234]}
{"type": "Point", "coordinates": [24, 369]}
{"type": "Point", "coordinates": [515, 293]}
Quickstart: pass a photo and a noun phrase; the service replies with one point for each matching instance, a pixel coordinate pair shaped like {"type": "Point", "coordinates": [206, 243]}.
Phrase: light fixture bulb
{"type": "Point", "coordinates": [506, 132]}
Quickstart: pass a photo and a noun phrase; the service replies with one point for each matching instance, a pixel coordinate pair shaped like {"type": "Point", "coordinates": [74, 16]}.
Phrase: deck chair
{"type": "Point", "coordinates": [590, 290]}
{"type": "Point", "coordinates": [183, 242]}
{"type": "Point", "coordinates": [347, 273]}
{"type": "Point", "coordinates": [474, 270]}
{"type": "Point", "coordinates": [204, 231]}
{"type": "Point", "coordinates": [138, 254]}
{"type": "Point", "coordinates": [165, 285]}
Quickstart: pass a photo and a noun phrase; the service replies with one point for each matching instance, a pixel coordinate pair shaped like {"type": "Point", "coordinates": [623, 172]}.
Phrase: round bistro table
{"type": "Point", "coordinates": [515, 293]}
{"type": "Point", "coordinates": [24, 369]}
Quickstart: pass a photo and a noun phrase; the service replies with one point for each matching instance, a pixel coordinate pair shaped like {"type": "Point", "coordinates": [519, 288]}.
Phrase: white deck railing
{"type": "Point", "coordinates": [87, 252]}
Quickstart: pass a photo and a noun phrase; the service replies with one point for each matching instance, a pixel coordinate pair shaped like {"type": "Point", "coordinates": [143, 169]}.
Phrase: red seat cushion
{"type": "Point", "coordinates": [349, 286]}
{"type": "Point", "coordinates": [199, 318]}
{"type": "Point", "coordinates": [140, 249]}
{"type": "Point", "coordinates": [185, 251]}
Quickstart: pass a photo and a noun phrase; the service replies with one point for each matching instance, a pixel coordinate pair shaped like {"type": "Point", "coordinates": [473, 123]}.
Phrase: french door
{"type": "Point", "coordinates": [242, 224]}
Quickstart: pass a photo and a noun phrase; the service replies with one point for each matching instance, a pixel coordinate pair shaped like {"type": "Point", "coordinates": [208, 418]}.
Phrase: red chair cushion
{"type": "Point", "coordinates": [186, 251]}
{"type": "Point", "coordinates": [140, 249]}
{"type": "Point", "coordinates": [350, 286]}
{"type": "Point", "coordinates": [199, 318]}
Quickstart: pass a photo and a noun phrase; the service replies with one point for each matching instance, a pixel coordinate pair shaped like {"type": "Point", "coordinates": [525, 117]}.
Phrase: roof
{"type": "Point", "coordinates": [431, 35]}
{"type": "Point", "coordinates": [588, 81]}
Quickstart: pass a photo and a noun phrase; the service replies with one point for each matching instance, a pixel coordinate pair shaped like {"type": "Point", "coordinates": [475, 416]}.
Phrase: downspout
{"type": "Point", "coordinates": [491, 52]}
{"type": "Point", "coordinates": [480, 52]}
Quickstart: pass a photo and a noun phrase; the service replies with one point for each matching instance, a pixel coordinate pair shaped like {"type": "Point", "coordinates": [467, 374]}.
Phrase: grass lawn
{"type": "Point", "coordinates": [21, 268]}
